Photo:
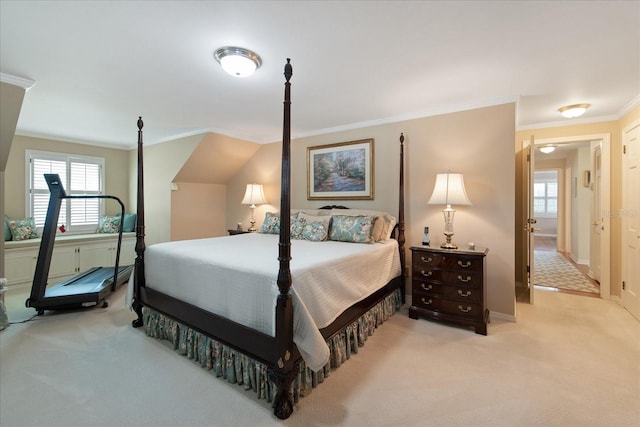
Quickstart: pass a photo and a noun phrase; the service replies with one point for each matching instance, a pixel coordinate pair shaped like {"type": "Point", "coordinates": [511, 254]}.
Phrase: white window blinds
{"type": "Point", "coordinates": [80, 175]}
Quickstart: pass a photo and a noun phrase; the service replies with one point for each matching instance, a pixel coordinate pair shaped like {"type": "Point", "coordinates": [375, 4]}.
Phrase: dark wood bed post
{"type": "Point", "coordinates": [138, 272]}
{"type": "Point", "coordinates": [401, 218]}
{"type": "Point", "coordinates": [283, 374]}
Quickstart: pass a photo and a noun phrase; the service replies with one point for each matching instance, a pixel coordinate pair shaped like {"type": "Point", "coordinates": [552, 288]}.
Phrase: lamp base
{"type": "Point", "coordinates": [449, 245]}
{"type": "Point", "coordinates": [252, 227]}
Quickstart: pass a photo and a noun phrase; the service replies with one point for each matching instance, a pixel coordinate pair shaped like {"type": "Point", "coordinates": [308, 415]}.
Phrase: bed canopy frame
{"type": "Point", "coordinates": [278, 353]}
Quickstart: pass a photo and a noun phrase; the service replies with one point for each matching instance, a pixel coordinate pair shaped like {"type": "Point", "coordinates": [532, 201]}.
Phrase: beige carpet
{"type": "Point", "coordinates": [555, 271]}
{"type": "Point", "coordinates": [568, 361]}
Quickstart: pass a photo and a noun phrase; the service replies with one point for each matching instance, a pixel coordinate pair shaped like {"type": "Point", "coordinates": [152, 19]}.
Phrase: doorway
{"type": "Point", "coordinates": [561, 263]}
{"type": "Point", "coordinates": [577, 177]}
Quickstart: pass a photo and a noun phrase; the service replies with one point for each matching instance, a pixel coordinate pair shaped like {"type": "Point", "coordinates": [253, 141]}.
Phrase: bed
{"type": "Point", "coordinates": [283, 325]}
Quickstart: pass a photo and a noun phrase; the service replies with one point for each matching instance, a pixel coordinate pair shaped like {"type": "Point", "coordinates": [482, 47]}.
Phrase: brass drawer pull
{"type": "Point", "coordinates": [427, 274]}
{"type": "Point", "coordinates": [427, 260]}
{"type": "Point", "coordinates": [464, 310]}
{"type": "Point", "coordinates": [466, 294]}
{"type": "Point", "coordinates": [465, 265]}
{"type": "Point", "coordinates": [427, 288]}
{"type": "Point", "coordinates": [460, 278]}
{"type": "Point", "coordinates": [427, 302]}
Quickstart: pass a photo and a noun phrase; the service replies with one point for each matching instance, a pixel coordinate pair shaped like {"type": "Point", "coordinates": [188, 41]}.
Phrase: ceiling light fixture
{"type": "Point", "coordinates": [546, 149]}
{"type": "Point", "coordinates": [238, 61]}
{"type": "Point", "coordinates": [572, 111]}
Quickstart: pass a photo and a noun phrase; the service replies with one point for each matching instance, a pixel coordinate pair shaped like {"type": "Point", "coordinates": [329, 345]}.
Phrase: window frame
{"type": "Point", "coordinates": [546, 197]}
{"type": "Point", "coordinates": [68, 159]}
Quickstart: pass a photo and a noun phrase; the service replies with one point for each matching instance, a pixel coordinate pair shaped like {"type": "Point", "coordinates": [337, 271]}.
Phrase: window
{"type": "Point", "coordinates": [80, 175]}
{"type": "Point", "coordinates": [545, 194]}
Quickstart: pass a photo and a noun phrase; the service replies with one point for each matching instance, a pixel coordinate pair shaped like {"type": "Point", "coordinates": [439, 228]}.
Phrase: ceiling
{"type": "Point", "coordinates": [98, 65]}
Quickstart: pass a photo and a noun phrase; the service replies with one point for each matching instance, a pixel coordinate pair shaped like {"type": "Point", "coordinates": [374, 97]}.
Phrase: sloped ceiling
{"type": "Point", "coordinates": [10, 104]}
{"type": "Point", "coordinates": [216, 159]}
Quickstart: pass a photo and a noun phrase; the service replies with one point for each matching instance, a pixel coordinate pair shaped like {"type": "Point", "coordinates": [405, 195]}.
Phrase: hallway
{"type": "Point", "coordinates": [558, 272]}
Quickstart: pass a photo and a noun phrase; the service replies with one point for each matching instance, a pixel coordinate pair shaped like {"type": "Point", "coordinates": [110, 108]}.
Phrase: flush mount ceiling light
{"type": "Point", "coordinates": [237, 61]}
{"type": "Point", "coordinates": [572, 111]}
{"type": "Point", "coordinates": [546, 149]}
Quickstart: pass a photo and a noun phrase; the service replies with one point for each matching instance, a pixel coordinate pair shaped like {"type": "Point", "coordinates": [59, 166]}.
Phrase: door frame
{"type": "Point", "coordinates": [605, 201]}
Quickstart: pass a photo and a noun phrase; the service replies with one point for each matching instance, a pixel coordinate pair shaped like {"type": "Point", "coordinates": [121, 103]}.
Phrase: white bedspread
{"type": "Point", "coordinates": [235, 277]}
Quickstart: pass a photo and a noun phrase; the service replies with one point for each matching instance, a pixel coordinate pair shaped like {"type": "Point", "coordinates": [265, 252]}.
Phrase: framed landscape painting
{"type": "Point", "coordinates": [340, 171]}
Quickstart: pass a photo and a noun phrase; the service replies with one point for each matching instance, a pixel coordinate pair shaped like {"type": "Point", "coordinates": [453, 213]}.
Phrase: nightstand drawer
{"type": "Point", "coordinates": [461, 293]}
{"type": "Point", "coordinates": [445, 261]}
{"type": "Point", "coordinates": [443, 305]}
{"type": "Point", "coordinates": [466, 278]}
{"type": "Point", "coordinates": [449, 285]}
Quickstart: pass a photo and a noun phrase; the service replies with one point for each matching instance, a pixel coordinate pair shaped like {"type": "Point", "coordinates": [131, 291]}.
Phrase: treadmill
{"type": "Point", "coordinates": [86, 289]}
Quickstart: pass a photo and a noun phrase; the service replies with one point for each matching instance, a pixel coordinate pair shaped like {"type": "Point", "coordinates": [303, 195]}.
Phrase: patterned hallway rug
{"type": "Point", "coordinates": [555, 271]}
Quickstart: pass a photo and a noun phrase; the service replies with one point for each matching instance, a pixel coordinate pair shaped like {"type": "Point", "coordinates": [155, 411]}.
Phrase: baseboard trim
{"type": "Point", "coordinates": [502, 316]}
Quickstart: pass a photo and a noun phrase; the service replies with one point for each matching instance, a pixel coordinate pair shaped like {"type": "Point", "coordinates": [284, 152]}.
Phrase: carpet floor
{"type": "Point", "coordinates": [568, 361]}
{"type": "Point", "coordinates": [555, 271]}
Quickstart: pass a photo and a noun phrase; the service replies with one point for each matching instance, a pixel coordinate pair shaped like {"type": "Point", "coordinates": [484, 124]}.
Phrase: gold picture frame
{"type": "Point", "coordinates": [342, 171]}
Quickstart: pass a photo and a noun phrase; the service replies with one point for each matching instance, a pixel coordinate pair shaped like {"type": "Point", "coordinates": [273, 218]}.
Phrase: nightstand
{"type": "Point", "coordinates": [449, 285]}
{"type": "Point", "coordinates": [234, 232]}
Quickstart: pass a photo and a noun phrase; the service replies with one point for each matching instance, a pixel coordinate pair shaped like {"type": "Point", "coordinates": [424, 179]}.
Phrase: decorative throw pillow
{"type": "Point", "coordinates": [129, 222]}
{"type": "Point", "coordinates": [109, 224]}
{"type": "Point", "coordinates": [7, 230]}
{"type": "Point", "coordinates": [314, 231]}
{"type": "Point", "coordinates": [355, 229]}
{"type": "Point", "coordinates": [297, 226]}
{"type": "Point", "coordinates": [271, 223]}
{"type": "Point", "coordinates": [23, 229]}
{"type": "Point", "coordinates": [316, 227]}
{"type": "Point", "coordinates": [383, 226]}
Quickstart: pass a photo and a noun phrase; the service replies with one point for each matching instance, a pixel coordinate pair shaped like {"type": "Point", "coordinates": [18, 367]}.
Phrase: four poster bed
{"type": "Point", "coordinates": [291, 325]}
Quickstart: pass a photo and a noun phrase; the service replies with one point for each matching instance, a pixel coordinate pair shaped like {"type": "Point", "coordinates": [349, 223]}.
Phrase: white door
{"type": "Point", "coordinates": [596, 214]}
{"type": "Point", "coordinates": [631, 220]}
{"type": "Point", "coordinates": [530, 220]}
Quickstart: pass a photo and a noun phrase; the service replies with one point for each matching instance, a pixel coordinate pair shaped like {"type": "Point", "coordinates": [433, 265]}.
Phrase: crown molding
{"type": "Point", "coordinates": [26, 84]}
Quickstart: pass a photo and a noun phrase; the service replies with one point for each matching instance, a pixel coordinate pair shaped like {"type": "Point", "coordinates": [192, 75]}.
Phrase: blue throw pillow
{"type": "Point", "coordinates": [7, 230]}
{"type": "Point", "coordinates": [355, 229]}
{"type": "Point", "coordinates": [129, 223]}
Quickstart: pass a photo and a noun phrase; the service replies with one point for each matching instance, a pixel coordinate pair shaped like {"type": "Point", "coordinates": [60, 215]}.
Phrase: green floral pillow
{"type": "Point", "coordinates": [109, 224]}
{"type": "Point", "coordinates": [297, 226]}
{"type": "Point", "coordinates": [271, 223]}
{"type": "Point", "coordinates": [355, 229]}
{"type": "Point", "coordinates": [23, 229]}
{"type": "Point", "coordinates": [314, 231]}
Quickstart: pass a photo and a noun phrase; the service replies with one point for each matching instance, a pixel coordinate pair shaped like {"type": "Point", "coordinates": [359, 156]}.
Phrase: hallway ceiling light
{"type": "Point", "coordinates": [546, 149]}
{"type": "Point", "coordinates": [572, 111]}
{"type": "Point", "coordinates": [238, 61]}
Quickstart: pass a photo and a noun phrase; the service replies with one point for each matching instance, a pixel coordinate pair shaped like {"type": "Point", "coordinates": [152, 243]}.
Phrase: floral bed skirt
{"type": "Point", "coordinates": [237, 368]}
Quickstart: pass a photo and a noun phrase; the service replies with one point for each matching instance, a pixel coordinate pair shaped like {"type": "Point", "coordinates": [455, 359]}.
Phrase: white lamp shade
{"type": "Point", "coordinates": [254, 195]}
{"type": "Point", "coordinates": [449, 190]}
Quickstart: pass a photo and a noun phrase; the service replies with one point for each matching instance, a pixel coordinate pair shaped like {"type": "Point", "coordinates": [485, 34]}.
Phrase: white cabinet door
{"type": "Point", "coordinates": [63, 264]}
{"type": "Point", "coordinates": [19, 265]}
{"type": "Point", "coordinates": [97, 254]}
{"type": "Point", "coordinates": [127, 251]}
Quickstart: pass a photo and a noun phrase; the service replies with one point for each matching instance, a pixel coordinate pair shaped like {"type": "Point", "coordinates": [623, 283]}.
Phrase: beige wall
{"type": "Point", "coordinates": [162, 162]}
{"type": "Point", "coordinates": [471, 142]}
{"type": "Point", "coordinates": [614, 129]}
{"type": "Point", "coordinates": [198, 210]}
{"type": "Point", "coordinates": [116, 171]}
